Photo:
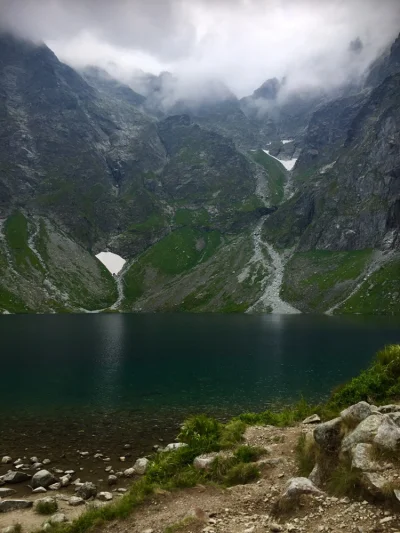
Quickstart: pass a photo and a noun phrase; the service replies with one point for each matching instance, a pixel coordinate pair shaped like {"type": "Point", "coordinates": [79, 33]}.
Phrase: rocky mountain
{"type": "Point", "coordinates": [181, 188]}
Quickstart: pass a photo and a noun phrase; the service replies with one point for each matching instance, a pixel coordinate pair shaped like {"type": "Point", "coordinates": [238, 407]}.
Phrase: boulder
{"type": "Point", "coordinates": [5, 493]}
{"type": "Point", "coordinates": [6, 460]}
{"type": "Point", "coordinates": [43, 478]}
{"type": "Point", "coordinates": [361, 458]}
{"type": "Point", "coordinates": [364, 432]}
{"type": "Point", "coordinates": [86, 490]}
{"type": "Point", "coordinates": [313, 419]}
{"type": "Point", "coordinates": [295, 488]}
{"type": "Point", "coordinates": [388, 435]}
{"type": "Point", "coordinates": [39, 490]}
{"type": "Point", "coordinates": [65, 480]}
{"type": "Point", "coordinates": [395, 417]}
{"type": "Point", "coordinates": [328, 435]}
{"type": "Point", "coordinates": [356, 413]}
{"type": "Point", "coordinates": [15, 477]}
{"type": "Point", "coordinates": [58, 518]}
{"type": "Point", "coordinates": [75, 501]}
{"type": "Point", "coordinates": [141, 465]}
{"type": "Point", "coordinates": [204, 462]}
{"type": "Point", "coordinates": [105, 496]}
{"type": "Point", "coordinates": [14, 505]}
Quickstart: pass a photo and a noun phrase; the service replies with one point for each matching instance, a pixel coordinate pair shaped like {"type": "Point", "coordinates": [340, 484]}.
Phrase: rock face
{"type": "Point", "coordinates": [359, 445]}
{"type": "Point", "coordinates": [43, 478]}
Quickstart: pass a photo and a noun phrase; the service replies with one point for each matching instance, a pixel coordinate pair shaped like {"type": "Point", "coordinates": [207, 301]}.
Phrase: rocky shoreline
{"type": "Point", "coordinates": [363, 441]}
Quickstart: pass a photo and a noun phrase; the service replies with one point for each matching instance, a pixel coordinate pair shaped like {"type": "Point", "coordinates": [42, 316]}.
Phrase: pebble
{"type": "Point", "coordinates": [46, 461]}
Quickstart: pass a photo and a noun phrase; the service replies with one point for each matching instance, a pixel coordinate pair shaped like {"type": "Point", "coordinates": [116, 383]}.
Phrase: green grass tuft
{"type": "Point", "coordinates": [249, 454]}
{"type": "Point", "coordinates": [242, 474]}
{"type": "Point", "coordinates": [46, 508]}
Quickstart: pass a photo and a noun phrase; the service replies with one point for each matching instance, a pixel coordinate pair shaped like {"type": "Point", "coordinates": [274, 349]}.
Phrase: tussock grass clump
{"type": "Point", "coordinates": [287, 417]}
{"type": "Point", "coordinates": [46, 507]}
{"type": "Point", "coordinates": [306, 455]}
{"type": "Point", "coordinates": [344, 481]}
{"type": "Point", "coordinates": [249, 454]}
{"type": "Point", "coordinates": [242, 474]}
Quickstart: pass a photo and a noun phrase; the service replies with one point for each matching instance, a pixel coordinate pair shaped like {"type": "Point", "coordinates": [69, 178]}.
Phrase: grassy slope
{"type": "Point", "coordinates": [318, 279]}
{"type": "Point", "coordinates": [276, 174]}
{"type": "Point", "coordinates": [60, 275]}
{"type": "Point", "coordinates": [380, 294]}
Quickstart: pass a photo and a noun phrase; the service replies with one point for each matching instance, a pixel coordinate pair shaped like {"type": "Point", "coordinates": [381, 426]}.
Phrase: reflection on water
{"type": "Point", "coordinates": [162, 364]}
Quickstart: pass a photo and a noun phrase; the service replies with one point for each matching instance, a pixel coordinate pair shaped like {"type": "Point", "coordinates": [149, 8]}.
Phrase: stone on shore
{"type": "Point", "coordinates": [43, 478]}
{"type": "Point", "coordinates": [6, 460]}
{"type": "Point", "coordinates": [39, 490]}
{"type": "Point", "coordinates": [15, 477]}
{"type": "Point", "coordinates": [362, 454]}
{"type": "Point", "coordinates": [105, 496]}
{"type": "Point", "coordinates": [174, 446]}
{"type": "Point", "coordinates": [86, 490]}
{"type": "Point", "coordinates": [141, 465]}
{"type": "Point", "coordinates": [112, 480]}
{"type": "Point", "coordinates": [74, 501]}
{"type": "Point", "coordinates": [14, 505]}
{"type": "Point", "coordinates": [129, 472]}
{"type": "Point", "coordinates": [5, 493]}
{"type": "Point", "coordinates": [298, 486]}
{"type": "Point", "coordinates": [55, 486]}
{"type": "Point", "coordinates": [58, 518]}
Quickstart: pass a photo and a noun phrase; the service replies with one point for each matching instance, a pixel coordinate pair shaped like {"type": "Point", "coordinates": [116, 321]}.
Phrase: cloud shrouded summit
{"type": "Point", "coordinates": [243, 42]}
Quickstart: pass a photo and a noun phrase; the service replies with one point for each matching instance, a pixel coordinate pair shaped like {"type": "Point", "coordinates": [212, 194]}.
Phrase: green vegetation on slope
{"type": "Point", "coordinates": [379, 295]}
{"type": "Point", "coordinates": [276, 175]}
{"type": "Point", "coordinates": [316, 280]}
{"type": "Point", "coordinates": [192, 217]}
{"type": "Point", "coordinates": [17, 235]}
{"type": "Point", "coordinates": [177, 253]}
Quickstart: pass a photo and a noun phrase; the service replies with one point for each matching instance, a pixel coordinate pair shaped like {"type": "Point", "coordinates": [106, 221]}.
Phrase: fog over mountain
{"type": "Point", "coordinates": [240, 42]}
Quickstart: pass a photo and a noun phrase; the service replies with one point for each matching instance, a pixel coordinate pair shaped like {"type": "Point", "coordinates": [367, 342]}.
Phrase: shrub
{"type": "Point", "coordinates": [249, 454]}
{"type": "Point", "coordinates": [46, 507]}
{"type": "Point", "coordinates": [241, 474]}
{"type": "Point", "coordinates": [201, 432]}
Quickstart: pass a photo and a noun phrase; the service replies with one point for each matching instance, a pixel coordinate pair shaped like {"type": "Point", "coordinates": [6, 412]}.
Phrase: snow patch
{"type": "Point", "coordinates": [288, 164]}
{"type": "Point", "coordinates": [113, 262]}
{"type": "Point", "coordinates": [286, 141]}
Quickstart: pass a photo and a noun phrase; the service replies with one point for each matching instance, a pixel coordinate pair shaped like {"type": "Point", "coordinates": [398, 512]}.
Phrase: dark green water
{"type": "Point", "coordinates": [102, 375]}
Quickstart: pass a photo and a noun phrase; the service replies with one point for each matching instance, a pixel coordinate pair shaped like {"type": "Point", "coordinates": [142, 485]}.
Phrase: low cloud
{"type": "Point", "coordinates": [241, 42]}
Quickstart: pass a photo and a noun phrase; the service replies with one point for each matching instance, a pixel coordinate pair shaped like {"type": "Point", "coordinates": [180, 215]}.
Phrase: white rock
{"type": "Point", "coordinates": [55, 486]}
{"type": "Point", "coordinates": [6, 460]}
{"type": "Point", "coordinates": [34, 460]}
{"type": "Point", "coordinates": [74, 501]}
{"type": "Point", "coordinates": [57, 518]}
{"type": "Point", "coordinates": [129, 472]}
{"type": "Point", "coordinates": [112, 480]}
{"type": "Point", "coordinates": [46, 461]}
{"type": "Point", "coordinates": [141, 465]}
{"type": "Point", "coordinates": [361, 454]}
{"type": "Point", "coordinates": [298, 486]}
{"type": "Point", "coordinates": [105, 496]}
{"type": "Point", "coordinates": [204, 462]}
{"type": "Point", "coordinates": [313, 419]}
{"type": "Point", "coordinates": [43, 478]}
{"type": "Point", "coordinates": [39, 490]}
{"type": "Point", "coordinates": [174, 446]}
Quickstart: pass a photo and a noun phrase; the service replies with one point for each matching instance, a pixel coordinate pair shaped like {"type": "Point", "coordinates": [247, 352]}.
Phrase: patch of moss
{"type": "Point", "coordinates": [379, 295]}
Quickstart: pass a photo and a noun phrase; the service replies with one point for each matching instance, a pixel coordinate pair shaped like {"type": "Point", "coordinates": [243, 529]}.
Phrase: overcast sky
{"type": "Point", "coordinates": [243, 42]}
